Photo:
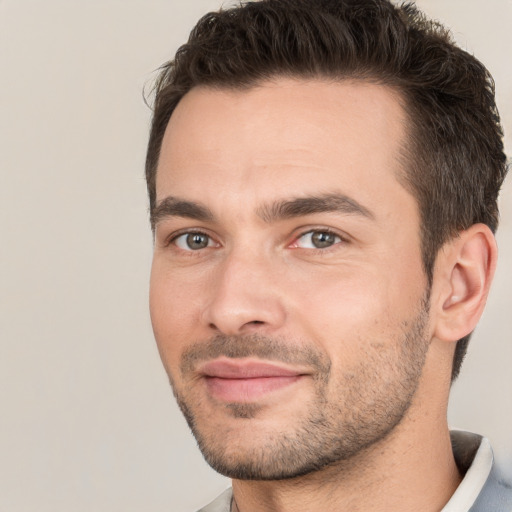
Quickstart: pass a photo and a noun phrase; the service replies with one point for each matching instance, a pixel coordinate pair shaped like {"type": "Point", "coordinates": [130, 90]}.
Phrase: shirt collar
{"type": "Point", "coordinates": [474, 458]}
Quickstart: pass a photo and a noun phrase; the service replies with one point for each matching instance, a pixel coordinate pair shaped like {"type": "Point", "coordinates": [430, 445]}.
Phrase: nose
{"type": "Point", "coordinates": [244, 296]}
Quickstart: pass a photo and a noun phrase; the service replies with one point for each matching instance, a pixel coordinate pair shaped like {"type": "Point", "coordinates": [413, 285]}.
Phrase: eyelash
{"type": "Point", "coordinates": [171, 239]}
{"type": "Point", "coordinates": [328, 231]}
{"type": "Point", "coordinates": [343, 239]}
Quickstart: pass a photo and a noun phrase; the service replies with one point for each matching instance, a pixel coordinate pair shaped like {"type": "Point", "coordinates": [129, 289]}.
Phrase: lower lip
{"type": "Point", "coordinates": [247, 390]}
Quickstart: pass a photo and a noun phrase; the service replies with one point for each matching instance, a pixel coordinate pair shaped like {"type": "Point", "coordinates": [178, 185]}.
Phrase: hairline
{"type": "Point", "coordinates": [405, 159]}
{"type": "Point", "coordinates": [411, 129]}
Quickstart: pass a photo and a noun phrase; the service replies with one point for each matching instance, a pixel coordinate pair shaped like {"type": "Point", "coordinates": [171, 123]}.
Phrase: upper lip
{"type": "Point", "coordinates": [245, 369]}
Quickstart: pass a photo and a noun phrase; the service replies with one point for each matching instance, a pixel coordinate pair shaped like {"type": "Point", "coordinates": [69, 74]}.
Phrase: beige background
{"type": "Point", "coordinates": [87, 422]}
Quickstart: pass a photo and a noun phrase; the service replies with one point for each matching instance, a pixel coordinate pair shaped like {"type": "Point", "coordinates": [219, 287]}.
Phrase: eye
{"type": "Point", "coordinates": [317, 240]}
{"type": "Point", "coordinates": [193, 241]}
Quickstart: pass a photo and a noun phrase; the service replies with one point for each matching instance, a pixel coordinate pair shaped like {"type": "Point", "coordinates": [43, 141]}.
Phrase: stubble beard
{"type": "Point", "coordinates": [372, 398]}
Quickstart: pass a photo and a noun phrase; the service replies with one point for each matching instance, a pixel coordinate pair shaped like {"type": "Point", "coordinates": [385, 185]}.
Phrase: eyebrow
{"type": "Point", "coordinates": [301, 206]}
{"type": "Point", "coordinates": [175, 207]}
{"type": "Point", "coordinates": [273, 212]}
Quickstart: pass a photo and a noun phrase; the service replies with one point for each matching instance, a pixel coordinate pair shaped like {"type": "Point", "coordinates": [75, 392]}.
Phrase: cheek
{"type": "Point", "coordinates": [336, 297]}
{"type": "Point", "coordinates": [344, 311]}
{"type": "Point", "coordinates": [173, 316]}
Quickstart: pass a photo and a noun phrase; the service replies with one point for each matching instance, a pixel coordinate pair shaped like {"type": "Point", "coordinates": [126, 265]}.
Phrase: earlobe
{"type": "Point", "coordinates": [466, 271]}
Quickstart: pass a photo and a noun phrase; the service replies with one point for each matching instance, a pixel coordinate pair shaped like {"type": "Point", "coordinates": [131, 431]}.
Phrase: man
{"type": "Point", "coordinates": [323, 177]}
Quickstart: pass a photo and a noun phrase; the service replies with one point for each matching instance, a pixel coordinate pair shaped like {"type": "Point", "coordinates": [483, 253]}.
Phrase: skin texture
{"type": "Point", "coordinates": [284, 237]}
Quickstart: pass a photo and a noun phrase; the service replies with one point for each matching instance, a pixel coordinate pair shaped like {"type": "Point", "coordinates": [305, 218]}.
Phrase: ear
{"type": "Point", "coordinates": [462, 279]}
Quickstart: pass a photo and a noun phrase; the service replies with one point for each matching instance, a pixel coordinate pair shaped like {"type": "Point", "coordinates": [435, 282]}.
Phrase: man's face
{"type": "Point", "coordinates": [288, 299]}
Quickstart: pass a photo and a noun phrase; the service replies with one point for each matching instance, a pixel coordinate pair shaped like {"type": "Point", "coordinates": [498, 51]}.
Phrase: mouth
{"type": "Point", "coordinates": [246, 380]}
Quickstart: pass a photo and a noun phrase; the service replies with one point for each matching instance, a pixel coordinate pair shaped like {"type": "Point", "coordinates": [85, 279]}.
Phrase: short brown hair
{"type": "Point", "coordinates": [454, 152]}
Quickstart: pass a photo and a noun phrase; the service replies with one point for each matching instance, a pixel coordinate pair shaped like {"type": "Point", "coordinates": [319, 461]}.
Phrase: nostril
{"type": "Point", "coordinates": [212, 326]}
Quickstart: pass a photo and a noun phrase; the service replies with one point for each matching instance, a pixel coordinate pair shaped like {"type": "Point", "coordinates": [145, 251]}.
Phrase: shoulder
{"type": "Point", "coordinates": [220, 504]}
{"type": "Point", "coordinates": [496, 495]}
{"type": "Point", "coordinates": [484, 487]}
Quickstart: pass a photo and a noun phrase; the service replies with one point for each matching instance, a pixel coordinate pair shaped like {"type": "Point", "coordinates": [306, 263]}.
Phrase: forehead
{"type": "Point", "coordinates": [283, 137]}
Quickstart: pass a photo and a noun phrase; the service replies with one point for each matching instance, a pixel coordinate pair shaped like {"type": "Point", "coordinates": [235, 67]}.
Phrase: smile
{"type": "Point", "coordinates": [244, 381]}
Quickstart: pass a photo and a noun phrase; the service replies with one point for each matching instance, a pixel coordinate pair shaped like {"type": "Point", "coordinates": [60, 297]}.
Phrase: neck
{"type": "Point", "coordinates": [412, 469]}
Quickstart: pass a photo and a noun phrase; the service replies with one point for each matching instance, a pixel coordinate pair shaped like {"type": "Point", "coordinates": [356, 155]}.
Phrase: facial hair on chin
{"type": "Point", "coordinates": [368, 402]}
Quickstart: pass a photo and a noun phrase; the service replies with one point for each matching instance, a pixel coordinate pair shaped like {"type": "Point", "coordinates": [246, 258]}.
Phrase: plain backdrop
{"type": "Point", "coordinates": [87, 418]}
